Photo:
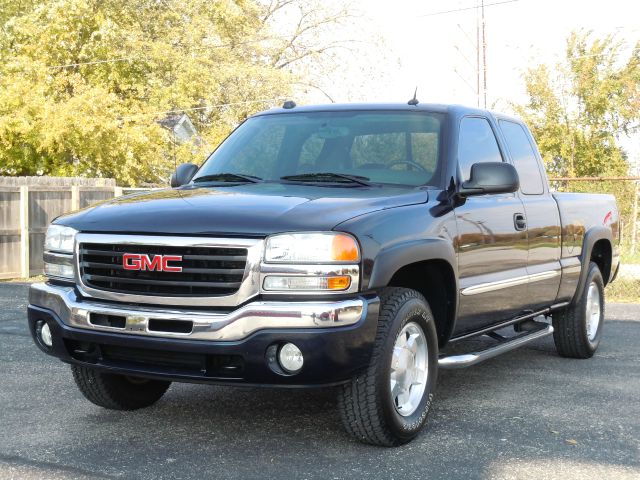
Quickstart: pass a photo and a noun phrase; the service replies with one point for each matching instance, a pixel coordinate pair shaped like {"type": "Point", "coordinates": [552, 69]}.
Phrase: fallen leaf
{"type": "Point", "coordinates": [571, 441]}
{"type": "Point", "coordinates": [555, 432]}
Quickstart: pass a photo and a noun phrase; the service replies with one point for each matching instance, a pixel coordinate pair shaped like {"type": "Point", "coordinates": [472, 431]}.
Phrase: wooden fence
{"type": "Point", "coordinates": [29, 204]}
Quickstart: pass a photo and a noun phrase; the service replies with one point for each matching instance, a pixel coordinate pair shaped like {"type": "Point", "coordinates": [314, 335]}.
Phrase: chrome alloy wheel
{"type": "Point", "coordinates": [594, 311]}
{"type": "Point", "coordinates": [409, 369]}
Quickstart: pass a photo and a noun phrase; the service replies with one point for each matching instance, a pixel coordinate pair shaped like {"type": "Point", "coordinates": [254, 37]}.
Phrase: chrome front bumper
{"type": "Point", "coordinates": [207, 325]}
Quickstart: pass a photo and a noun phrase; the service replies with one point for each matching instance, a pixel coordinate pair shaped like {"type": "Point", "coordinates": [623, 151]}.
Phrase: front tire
{"type": "Point", "coordinates": [388, 404]}
{"type": "Point", "coordinates": [117, 392]}
{"type": "Point", "coordinates": [578, 327]}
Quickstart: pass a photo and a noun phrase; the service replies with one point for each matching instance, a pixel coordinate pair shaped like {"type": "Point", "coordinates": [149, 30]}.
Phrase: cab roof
{"type": "Point", "coordinates": [343, 107]}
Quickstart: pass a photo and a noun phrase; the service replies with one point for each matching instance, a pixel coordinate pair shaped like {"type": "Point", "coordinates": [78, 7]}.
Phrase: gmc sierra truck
{"type": "Point", "coordinates": [339, 245]}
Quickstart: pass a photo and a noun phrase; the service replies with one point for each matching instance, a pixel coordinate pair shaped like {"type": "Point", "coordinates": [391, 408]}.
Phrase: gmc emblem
{"type": "Point", "coordinates": [159, 263]}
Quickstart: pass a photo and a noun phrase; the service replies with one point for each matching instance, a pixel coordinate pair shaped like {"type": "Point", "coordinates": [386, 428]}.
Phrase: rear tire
{"type": "Point", "coordinates": [578, 327]}
{"type": "Point", "coordinates": [388, 404]}
{"type": "Point", "coordinates": [117, 392]}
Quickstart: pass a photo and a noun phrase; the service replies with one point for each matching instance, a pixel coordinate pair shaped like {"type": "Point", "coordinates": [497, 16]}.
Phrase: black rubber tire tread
{"type": "Point", "coordinates": [116, 392]}
{"type": "Point", "coordinates": [569, 327]}
{"type": "Point", "coordinates": [359, 404]}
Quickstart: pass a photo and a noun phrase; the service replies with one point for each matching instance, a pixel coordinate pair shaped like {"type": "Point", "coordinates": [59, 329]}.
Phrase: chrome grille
{"type": "Point", "coordinates": [206, 271]}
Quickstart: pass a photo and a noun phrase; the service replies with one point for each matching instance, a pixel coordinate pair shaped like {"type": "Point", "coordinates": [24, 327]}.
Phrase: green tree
{"type": "Point", "coordinates": [84, 83]}
{"type": "Point", "coordinates": [579, 108]}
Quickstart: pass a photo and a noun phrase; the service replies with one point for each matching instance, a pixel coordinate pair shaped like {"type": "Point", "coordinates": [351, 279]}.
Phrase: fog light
{"type": "Point", "coordinates": [290, 358]}
{"type": "Point", "coordinates": [44, 333]}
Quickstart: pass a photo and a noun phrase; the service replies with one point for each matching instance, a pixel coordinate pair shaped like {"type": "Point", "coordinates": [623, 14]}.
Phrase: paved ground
{"type": "Point", "coordinates": [526, 415]}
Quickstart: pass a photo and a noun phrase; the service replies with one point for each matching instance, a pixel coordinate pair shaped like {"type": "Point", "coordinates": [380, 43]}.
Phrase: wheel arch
{"type": "Point", "coordinates": [429, 268]}
{"type": "Point", "coordinates": [597, 247]}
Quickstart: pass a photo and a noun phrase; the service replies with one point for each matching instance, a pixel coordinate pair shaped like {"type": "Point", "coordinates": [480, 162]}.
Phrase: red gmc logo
{"type": "Point", "coordinates": [159, 263]}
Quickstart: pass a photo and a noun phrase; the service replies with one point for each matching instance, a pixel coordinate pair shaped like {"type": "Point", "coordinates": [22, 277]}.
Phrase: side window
{"type": "Point", "coordinates": [476, 144]}
{"type": "Point", "coordinates": [524, 158]}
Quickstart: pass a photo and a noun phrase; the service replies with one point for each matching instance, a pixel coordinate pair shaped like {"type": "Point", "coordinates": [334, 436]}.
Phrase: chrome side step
{"type": "Point", "coordinates": [468, 359]}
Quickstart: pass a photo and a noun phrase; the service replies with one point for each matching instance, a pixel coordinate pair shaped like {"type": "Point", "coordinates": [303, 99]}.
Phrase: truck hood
{"type": "Point", "coordinates": [250, 209]}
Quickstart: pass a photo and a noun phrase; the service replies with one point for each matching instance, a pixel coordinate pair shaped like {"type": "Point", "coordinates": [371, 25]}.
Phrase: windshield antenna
{"type": "Point", "coordinates": [414, 100]}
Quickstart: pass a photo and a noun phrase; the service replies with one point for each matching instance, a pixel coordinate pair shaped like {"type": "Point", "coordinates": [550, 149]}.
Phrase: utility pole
{"type": "Point", "coordinates": [634, 216]}
{"type": "Point", "coordinates": [484, 56]}
{"type": "Point", "coordinates": [477, 56]}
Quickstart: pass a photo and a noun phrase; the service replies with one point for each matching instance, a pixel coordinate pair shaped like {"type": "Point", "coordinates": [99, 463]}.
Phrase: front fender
{"type": "Point", "coordinates": [393, 258]}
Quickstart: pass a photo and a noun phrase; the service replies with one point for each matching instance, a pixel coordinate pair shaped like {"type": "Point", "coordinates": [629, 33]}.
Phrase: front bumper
{"type": "Point", "coordinates": [335, 337]}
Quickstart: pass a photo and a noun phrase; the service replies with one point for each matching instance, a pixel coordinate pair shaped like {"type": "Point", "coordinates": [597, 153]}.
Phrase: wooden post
{"type": "Point", "coordinates": [117, 191]}
{"type": "Point", "coordinates": [24, 231]}
{"type": "Point", "coordinates": [75, 198]}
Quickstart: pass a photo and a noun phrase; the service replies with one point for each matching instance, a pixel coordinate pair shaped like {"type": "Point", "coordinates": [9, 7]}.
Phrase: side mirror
{"type": "Point", "coordinates": [491, 177]}
{"type": "Point", "coordinates": [183, 174]}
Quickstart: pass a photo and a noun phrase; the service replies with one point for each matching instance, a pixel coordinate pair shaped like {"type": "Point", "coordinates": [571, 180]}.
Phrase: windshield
{"type": "Point", "coordinates": [400, 148]}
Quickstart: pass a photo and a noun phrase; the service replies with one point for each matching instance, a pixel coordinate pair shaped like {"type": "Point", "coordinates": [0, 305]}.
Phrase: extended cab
{"type": "Point", "coordinates": [340, 245]}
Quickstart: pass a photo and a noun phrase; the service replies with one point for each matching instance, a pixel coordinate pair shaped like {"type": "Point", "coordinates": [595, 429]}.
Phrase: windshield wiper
{"type": "Point", "coordinates": [328, 177]}
{"type": "Point", "coordinates": [228, 177]}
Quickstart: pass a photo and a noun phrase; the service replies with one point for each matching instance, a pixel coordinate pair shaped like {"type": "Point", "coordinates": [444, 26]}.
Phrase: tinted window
{"type": "Point", "coordinates": [476, 144]}
{"type": "Point", "coordinates": [260, 156]}
{"type": "Point", "coordinates": [524, 158]}
{"type": "Point", "coordinates": [388, 147]}
{"type": "Point", "coordinates": [401, 150]}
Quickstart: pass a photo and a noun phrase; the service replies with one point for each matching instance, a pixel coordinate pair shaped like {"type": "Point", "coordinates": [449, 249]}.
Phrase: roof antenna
{"type": "Point", "coordinates": [414, 101]}
{"type": "Point", "coordinates": [289, 104]}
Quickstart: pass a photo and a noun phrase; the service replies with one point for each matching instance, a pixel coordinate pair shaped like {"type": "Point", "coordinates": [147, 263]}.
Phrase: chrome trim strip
{"type": "Point", "coordinates": [207, 325]}
{"type": "Point", "coordinates": [468, 359]}
{"type": "Point", "coordinates": [512, 282]}
{"type": "Point", "coordinates": [249, 287]}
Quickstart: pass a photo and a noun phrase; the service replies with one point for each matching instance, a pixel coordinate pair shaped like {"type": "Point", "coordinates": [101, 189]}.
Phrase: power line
{"type": "Point", "coordinates": [206, 107]}
{"type": "Point", "coordinates": [95, 62]}
{"type": "Point", "coordinates": [433, 14]}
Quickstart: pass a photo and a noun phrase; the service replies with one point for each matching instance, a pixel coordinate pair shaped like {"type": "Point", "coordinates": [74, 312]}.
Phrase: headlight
{"type": "Point", "coordinates": [311, 248]}
{"type": "Point", "coordinates": [60, 239]}
{"type": "Point", "coordinates": [58, 252]}
{"type": "Point", "coordinates": [319, 263]}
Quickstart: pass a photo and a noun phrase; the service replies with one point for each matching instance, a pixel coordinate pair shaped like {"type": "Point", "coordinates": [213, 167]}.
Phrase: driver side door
{"type": "Point", "coordinates": [491, 246]}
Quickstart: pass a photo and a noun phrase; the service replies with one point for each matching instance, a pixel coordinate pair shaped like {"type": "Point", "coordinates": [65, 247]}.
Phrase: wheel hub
{"type": "Point", "coordinates": [409, 369]}
{"type": "Point", "coordinates": [593, 311]}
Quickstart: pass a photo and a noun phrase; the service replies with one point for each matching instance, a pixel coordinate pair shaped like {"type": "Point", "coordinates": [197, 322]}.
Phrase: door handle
{"type": "Point", "coordinates": [520, 221]}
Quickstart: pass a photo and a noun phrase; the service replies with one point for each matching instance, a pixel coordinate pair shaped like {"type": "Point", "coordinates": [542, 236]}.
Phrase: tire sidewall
{"type": "Point", "coordinates": [413, 310]}
{"type": "Point", "coordinates": [594, 276]}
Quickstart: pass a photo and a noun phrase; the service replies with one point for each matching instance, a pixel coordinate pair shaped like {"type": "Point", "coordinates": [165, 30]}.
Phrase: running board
{"type": "Point", "coordinates": [468, 359]}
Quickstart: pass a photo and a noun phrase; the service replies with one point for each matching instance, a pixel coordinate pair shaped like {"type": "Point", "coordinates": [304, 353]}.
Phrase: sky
{"type": "Point", "coordinates": [437, 53]}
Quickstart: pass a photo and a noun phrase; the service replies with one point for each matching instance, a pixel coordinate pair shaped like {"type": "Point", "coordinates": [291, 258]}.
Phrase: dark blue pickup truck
{"type": "Point", "coordinates": [339, 245]}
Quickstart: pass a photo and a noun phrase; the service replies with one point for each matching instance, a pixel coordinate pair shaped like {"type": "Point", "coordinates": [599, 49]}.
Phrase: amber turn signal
{"type": "Point", "coordinates": [338, 283]}
{"type": "Point", "coordinates": [344, 249]}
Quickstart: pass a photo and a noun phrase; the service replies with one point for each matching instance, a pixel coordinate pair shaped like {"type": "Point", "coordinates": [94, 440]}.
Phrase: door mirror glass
{"type": "Point", "coordinates": [491, 177]}
{"type": "Point", "coordinates": [183, 174]}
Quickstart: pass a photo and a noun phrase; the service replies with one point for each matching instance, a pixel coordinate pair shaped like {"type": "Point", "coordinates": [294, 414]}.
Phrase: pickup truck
{"type": "Point", "coordinates": [340, 246]}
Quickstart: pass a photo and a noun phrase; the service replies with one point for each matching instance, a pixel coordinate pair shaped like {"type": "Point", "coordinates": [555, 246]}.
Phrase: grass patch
{"type": "Point", "coordinates": [624, 290]}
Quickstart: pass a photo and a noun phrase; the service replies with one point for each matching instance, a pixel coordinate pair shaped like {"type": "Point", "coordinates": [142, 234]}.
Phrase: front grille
{"type": "Point", "coordinates": [206, 271]}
